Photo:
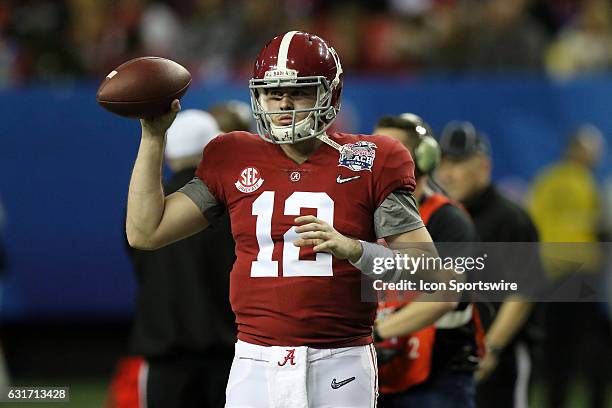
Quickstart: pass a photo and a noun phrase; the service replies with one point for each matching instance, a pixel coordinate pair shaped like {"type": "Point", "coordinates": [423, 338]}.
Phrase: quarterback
{"type": "Point", "coordinates": [306, 207]}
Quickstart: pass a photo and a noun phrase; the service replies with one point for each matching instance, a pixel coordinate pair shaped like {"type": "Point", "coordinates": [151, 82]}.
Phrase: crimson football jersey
{"type": "Point", "coordinates": [283, 295]}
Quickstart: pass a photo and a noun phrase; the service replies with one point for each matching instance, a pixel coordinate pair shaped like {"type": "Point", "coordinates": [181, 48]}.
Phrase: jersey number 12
{"type": "Point", "coordinates": [264, 266]}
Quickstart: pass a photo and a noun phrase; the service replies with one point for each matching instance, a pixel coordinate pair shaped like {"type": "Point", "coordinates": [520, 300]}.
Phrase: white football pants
{"type": "Point", "coordinates": [302, 377]}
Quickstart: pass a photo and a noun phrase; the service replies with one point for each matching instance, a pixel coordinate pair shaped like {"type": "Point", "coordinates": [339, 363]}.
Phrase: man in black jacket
{"type": "Point", "coordinates": [465, 173]}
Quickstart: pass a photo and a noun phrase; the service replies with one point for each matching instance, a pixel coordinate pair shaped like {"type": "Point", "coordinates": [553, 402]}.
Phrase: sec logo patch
{"type": "Point", "coordinates": [249, 180]}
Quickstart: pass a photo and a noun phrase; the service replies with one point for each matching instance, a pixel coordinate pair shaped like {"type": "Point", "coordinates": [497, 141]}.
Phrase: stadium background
{"type": "Point", "coordinates": [515, 68]}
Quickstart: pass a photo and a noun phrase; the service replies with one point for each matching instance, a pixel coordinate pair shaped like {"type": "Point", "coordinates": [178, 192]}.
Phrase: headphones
{"type": "Point", "coordinates": [427, 153]}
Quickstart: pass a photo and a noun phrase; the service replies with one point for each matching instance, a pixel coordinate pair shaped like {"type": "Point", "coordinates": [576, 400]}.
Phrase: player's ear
{"type": "Point", "coordinates": [485, 163]}
{"type": "Point", "coordinates": [489, 163]}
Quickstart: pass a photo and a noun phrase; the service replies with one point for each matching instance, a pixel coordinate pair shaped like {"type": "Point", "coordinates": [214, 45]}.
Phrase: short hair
{"type": "Point", "coordinates": [408, 126]}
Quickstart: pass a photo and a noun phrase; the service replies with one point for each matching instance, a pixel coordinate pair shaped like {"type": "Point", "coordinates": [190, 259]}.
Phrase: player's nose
{"type": "Point", "coordinates": [286, 102]}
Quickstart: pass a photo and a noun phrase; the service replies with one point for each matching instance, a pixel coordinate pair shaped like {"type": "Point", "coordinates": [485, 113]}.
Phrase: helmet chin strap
{"type": "Point", "coordinates": [305, 124]}
{"type": "Point", "coordinates": [325, 139]}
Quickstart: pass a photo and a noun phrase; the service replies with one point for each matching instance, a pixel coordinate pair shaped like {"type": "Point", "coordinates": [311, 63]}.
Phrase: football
{"type": "Point", "coordinates": [143, 87]}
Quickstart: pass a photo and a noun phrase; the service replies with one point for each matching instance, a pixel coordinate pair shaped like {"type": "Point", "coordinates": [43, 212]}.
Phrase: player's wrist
{"type": "Point", "coordinates": [493, 350]}
{"type": "Point", "coordinates": [356, 251]}
{"type": "Point", "coordinates": [151, 135]}
{"type": "Point", "coordinates": [367, 261]}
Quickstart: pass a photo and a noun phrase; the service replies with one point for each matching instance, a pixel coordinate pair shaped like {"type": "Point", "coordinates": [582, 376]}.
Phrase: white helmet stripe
{"type": "Point", "coordinates": [284, 50]}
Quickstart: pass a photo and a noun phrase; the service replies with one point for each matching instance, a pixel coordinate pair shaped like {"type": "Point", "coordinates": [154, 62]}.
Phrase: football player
{"type": "Point", "coordinates": [306, 208]}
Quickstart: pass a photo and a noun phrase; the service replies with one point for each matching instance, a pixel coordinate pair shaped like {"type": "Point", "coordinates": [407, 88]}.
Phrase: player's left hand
{"type": "Point", "coordinates": [322, 237]}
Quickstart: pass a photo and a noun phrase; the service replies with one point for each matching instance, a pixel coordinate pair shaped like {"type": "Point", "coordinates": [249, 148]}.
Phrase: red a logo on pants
{"type": "Point", "coordinates": [289, 357]}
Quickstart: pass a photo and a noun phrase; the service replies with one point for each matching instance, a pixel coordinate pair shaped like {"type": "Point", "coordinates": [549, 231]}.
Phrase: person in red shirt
{"type": "Point", "coordinates": [306, 208]}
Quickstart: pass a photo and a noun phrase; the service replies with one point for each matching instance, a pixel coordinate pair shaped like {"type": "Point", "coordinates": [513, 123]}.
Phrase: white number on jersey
{"type": "Point", "coordinates": [413, 345]}
{"type": "Point", "coordinates": [264, 266]}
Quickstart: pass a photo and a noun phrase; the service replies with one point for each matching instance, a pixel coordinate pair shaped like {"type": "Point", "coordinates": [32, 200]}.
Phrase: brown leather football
{"type": "Point", "coordinates": [143, 87]}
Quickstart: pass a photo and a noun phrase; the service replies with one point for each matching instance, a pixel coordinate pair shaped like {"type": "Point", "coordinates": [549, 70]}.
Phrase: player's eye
{"type": "Point", "coordinates": [276, 95]}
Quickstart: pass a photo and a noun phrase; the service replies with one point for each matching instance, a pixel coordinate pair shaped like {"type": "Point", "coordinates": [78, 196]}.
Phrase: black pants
{"type": "Point", "coordinates": [577, 344]}
{"type": "Point", "coordinates": [444, 390]}
{"type": "Point", "coordinates": [507, 386]}
{"type": "Point", "coordinates": [188, 382]}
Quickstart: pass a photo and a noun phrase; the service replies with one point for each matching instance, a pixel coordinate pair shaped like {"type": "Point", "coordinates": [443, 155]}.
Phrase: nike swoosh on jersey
{"type": "Point", "coordinates": [341, 180]}
{"type": "Point", "coordinates": [335, 385]}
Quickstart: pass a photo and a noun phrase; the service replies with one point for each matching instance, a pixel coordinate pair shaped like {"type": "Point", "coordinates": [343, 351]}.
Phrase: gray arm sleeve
{"type": "Point", "coordinates": [397, 214]}
{"type": "Point", "coordinates": [199, 193]}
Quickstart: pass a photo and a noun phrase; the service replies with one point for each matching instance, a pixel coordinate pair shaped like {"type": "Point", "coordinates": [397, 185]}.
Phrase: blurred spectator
{"type": "Point", "coordinates": [210, 36]}
{"type": "Point", "coordinates": [45, 49]}
{"type": "Point", "coordinates": [160, 30]}
{"type": "Point", "coordinates": [233, 115]}
{"type": "Point", "coordinates": [565, 205]}
{"type": "Point", "coordinates": [410, 7]}
{"type": "Point", "coordinates": [428, 34]}
{"type": "Point", "coordinates": [58, 39]}
{"type": "Point", "coordinates": [555, 14]}
{"type": "Point", "coordinates": [254, 28]}
{"type": "Point", "coordinates": [8, 61]}
{"type": "Point", "coordinates": [106, 33]}
{"type": "Point", "coordinates": [184, 327]}
{"type": "Point", "coordinates": [88, 25]}
{"type": "Point", "coordinates": [465, 173]}
{"type": "Point", "coordinates": [606, 209]}
{"type": "Point", "coordinates": [564, 201]}
{"type": "Point", "coordinates": [607, 237]}
{"type": "Point", "coordinates": [505, 38]}
{"type": "Point", "coordinates": [585, 46]}
{"type": "Point", "coordinates": [450, 24]}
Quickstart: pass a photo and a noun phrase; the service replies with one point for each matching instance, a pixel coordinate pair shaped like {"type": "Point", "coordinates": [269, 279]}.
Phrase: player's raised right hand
{"type": "Point", "coordinates": [157, 126]}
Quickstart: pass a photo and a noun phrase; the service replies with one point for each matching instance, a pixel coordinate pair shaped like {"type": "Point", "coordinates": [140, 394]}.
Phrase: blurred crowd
{"type": "Point", "coordinates": [51, 40]}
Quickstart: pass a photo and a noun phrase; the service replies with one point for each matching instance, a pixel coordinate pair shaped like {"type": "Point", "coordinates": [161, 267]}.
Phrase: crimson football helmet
{"type": "Point", "coordinates": [297, 59]}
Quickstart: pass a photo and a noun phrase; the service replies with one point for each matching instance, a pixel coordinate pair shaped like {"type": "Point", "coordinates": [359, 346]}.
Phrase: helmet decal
{"type": "Point", "coordinates": [283, 50]}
